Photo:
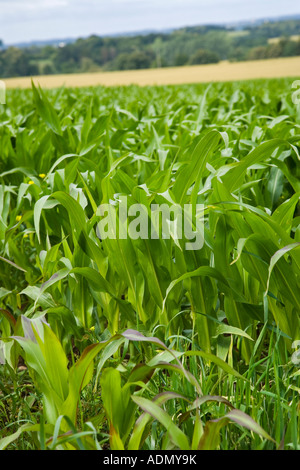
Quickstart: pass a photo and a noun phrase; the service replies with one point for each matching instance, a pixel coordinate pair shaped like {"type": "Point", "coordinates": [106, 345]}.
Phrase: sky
{"type": "Point", "coordinates": [27, 20]}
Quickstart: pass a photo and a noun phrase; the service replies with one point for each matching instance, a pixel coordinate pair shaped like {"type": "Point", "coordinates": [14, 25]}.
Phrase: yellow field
{"type": "Point", "coordinates": [224, 71]}
{"type": "Point", "coordinates": [295, 37]}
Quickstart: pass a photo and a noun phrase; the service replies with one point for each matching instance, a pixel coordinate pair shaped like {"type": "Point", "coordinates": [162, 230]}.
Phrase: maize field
{"type": "Point", "coordinates": [137, 342]}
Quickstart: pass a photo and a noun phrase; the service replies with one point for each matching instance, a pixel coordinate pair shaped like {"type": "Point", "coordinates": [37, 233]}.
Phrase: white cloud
{"type": "Point", "coordinates": [24, 20]}
{"type": "Point", "coordinates": [18, 6]}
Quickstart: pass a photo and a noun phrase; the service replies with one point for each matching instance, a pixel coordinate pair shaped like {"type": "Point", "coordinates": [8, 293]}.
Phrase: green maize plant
{"type": "Point", "coordinates": [127, 330]}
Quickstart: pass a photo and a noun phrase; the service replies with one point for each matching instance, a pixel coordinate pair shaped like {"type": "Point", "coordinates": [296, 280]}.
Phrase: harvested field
{"type": "Point", "coordinates": [222, 72]}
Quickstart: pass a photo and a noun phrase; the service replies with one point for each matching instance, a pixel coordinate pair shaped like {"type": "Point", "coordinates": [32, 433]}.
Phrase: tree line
{"type": "Point", "coordinates": [185, 46]}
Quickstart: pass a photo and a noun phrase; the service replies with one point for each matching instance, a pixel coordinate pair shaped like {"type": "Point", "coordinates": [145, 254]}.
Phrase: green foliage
{"type": "Point", "coordinates": [175, 48]}
{"type": "Point", "coordinates": [142, 344]}
{"type": "Point", "coordinates": [133, 61]}
{"type": "Point", "coordinates": [204, 57]}
{"type": "Point", "coordinates": [283, 48]}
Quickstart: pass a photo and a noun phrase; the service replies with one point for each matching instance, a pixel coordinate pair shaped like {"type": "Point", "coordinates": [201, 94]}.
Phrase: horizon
{"type": "Point", "coordinates": [44, 20]}
{"type": "Point", "coordinates": [139, 32]}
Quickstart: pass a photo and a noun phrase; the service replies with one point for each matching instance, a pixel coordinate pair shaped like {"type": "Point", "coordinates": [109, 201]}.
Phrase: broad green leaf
{"type": "Point", "coordinates": [176, 435]}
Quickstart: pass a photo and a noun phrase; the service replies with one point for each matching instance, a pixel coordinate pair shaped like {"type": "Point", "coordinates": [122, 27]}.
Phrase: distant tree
{"type": "Point", "coordinates": [203, 56]}
{"type": "Point", "coordinates": [273, 51]}
{"type": "Point", "coordinates": [181, 59]}
{"type": "Point", "coordinates": [237, 54]}
{"type": "Point", "coordinates": [17, 63]}
{"type": "Point", "coordinates": [48, 69]}
{"type": "Point", "coordinates": [258, 53]}
{"type": "Point", "coordinates": [289, 48]}
{"type": "Point", "coordinates": [297, 50]}
{"type": "Point", "coordinates": [67, 59]}
{"type": "Point", "coordinates": [157, 46]}
{"type": "Point", "coordinates": [190, 45]}
{"type": "Point", "coordinates": [132, 61]}
{"type": "Point", "coordinates": [87, 65]}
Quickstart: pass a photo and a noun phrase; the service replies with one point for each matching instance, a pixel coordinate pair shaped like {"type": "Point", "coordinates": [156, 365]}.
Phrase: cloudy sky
{"type": "Point", "coordinates": [26, 20]}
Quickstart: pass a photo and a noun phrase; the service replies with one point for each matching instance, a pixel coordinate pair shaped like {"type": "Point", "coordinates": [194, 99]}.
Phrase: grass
{"type": "Point", "coordinates": [140, 344]}
{"type": "Point", "coordinates": [224, 71]}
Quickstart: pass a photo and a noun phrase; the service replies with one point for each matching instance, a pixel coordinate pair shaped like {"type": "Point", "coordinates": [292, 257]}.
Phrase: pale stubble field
{"type": "Point", "coordinates": [222, 72]}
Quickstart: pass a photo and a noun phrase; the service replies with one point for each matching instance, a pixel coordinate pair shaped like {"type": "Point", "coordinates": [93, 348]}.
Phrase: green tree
{"type": "Point", "coordinates": [48, 69]}
{"type": "Point", "coordinates": [133, 60]}
{"type": "Point", "coordinates": [17, 62]}
{"type": "Point", "coordinates": [203, 56]}
{"type": "Point", "coordinates": [181, 59]}
{"type": "Point", "coordinates": [258, 53]}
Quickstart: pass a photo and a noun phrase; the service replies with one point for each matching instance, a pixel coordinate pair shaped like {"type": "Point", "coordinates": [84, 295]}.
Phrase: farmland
{"type": "Point", "coordinates": [224, 71]}
{"type": "Point", "coordinates": [139, 343]}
